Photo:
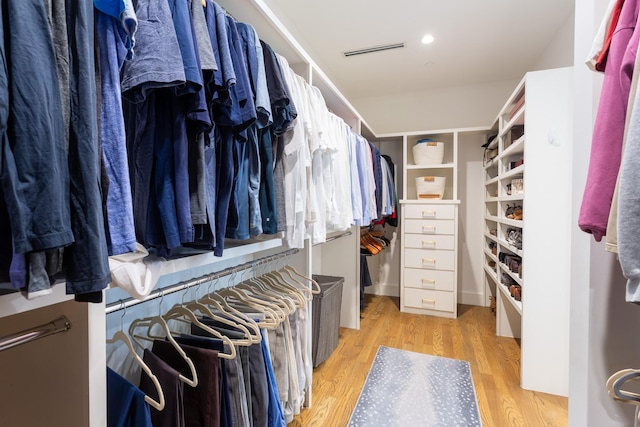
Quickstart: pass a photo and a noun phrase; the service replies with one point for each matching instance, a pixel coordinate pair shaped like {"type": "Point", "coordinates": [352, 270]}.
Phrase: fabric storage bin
{"type": "Point", "coordinates": [428, 152]}
{"type": "Point", "coordinates": [326, 317]}
{"type": "Point", "coordinates": [430, 187]}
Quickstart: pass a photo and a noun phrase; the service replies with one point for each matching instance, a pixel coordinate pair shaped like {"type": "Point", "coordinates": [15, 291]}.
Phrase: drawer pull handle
{"type": "Point", "coordinates": [428, 214]}
{"type": "Point", "coordinates": [428, 283]}
{"type": "Point", "coordinates": [431, 261]}
{"type": "Point", "coordinates": [431, 229]}
{"type": "Point", "coordinates": [431, 244]}
{"type": "Point", "coordinates": [428, 301]}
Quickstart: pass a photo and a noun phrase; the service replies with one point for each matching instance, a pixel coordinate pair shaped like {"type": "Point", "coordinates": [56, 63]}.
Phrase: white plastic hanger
{"type": "Point", "coordinates": [196, 306]}
{"type": "Point", "coordinates": [180, 312]}
{"type": "Point", "coordinates": [219, 303]}
{"type": "Point", "coordinates": [121, 336]}
{"type": "Point", "coordinates": [316, 287]}
{"type": "Point", "coordinates": [148, 323]}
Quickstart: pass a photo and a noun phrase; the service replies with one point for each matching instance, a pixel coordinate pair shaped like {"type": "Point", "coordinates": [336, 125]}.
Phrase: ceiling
{"type": "Point", "coordinates": [475, 41]}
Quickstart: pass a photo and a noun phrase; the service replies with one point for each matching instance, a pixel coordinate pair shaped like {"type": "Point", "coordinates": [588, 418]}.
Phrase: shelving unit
{"type": "Point", "coordinates": [533, 133]}
{"type": "Point", "coordinates": [429, 254]}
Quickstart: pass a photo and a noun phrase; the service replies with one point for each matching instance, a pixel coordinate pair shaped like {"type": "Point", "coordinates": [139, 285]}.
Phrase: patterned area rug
{"type": "Point", "coordinates": [404, 388]}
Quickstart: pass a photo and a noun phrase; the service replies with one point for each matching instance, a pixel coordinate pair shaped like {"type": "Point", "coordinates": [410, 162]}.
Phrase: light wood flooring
{"type": "Point", "coordinates": [495, 364]}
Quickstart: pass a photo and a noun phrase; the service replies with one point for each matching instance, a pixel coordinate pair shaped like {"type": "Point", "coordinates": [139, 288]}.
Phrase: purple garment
{"type": "Point", "coordinates": [608, 131]}
{"type": "Point", "coordinates": [121, 236]}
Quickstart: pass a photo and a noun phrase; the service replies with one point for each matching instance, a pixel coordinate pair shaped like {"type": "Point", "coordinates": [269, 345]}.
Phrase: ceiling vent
{"type": "Point", "coordinates": [373, 49]}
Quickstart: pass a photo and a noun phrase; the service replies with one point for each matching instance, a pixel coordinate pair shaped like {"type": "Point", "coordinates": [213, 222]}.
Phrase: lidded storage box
{"type": "Point", "coordinates": [430, 187]}
{"type": "Point", "coordinates": [428, 152]}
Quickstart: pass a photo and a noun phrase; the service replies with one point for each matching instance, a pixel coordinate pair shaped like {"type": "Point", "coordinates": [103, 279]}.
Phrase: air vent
{"type": "Point", "coordinates": [373, 49]}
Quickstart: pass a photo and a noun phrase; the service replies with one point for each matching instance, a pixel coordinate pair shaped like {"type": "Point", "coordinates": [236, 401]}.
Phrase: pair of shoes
{"type": "Point", "coordinates": [513, 212]}
{"type": "Point", "coordinates": [493, 247]}
{"type": "Point", "coordinates": [516, 292]}
{"type": "Point", "coordinates": [514, 237]}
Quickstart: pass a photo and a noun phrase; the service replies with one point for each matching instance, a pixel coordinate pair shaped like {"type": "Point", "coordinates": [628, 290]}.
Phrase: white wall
{"type": "Point", "coordinates": [445, 108]}
{"type": "Point", "coordinates": [470, 230]}
{"type": "Point", "coordinates": [559, 53]}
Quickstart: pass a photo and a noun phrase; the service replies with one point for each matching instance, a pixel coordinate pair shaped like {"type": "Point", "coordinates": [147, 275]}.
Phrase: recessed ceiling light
{"type": "Point", "coordinates": [428, 38]}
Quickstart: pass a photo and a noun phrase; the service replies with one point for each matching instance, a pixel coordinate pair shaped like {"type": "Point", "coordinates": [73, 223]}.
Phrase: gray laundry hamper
{"type": "Point", "coordinates": [326, 317]}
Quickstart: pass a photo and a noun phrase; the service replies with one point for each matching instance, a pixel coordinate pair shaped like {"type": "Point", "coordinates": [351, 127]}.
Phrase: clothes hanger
{"type": "Point", "coordinates": [220, 304]}
{"type": "Point", "coordinates": [286, 278]}
{"type": "Point", "coordinates": [149, 322]}
{"type": "Point", "coordinates": [180, 312]}
{"type": "Point", "coordinates": [235, 296]}
{"type": "Point", "coordinates": [260, 290]}
{"type": "Point", "coordinates": [194, 306]}
{"type": "Point", "coordinates": [617, 380]}
{"type": "Point", "coordinates": [121, 336]}
{"type": "Point", "coordinates": [241, 295]}
{"type": "Point", "coordinates": [277, 279]}
{"type": "Point", "coordinates": [281, 289]}
{"type": "Point", "coordinates": [316, 287]}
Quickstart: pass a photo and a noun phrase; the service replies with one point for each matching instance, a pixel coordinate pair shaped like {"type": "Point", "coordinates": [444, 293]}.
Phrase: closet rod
{"type": "Point", "coordinates": [128, 302]}
{"type": "Point", "coordinates": [329, 239]}
{"type": "Point", "coordinates": [61, 324]}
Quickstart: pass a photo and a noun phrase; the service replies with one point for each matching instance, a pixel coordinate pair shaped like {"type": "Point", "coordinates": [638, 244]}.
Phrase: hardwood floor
{"type": "Point", "coordinates": [494, 364]}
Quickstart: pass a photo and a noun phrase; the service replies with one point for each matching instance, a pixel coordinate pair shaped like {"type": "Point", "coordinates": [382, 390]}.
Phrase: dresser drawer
{"type": "Point", "coordinates": [428, 300]}
{"type": "Point", "coordinates": [425, 226]}
{"type": "Point", "coordinates": [432, 260]}
{"type": "Point", "coordinates": [419, 241]}
{"type": "Point", "coordinates": [429, 211]}
{"type": "Point", "coordinates": [428, 279]}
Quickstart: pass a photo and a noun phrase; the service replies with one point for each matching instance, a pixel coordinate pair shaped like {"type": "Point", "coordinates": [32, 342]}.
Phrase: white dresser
{"type": "Point", "coordinates": [428, 283]}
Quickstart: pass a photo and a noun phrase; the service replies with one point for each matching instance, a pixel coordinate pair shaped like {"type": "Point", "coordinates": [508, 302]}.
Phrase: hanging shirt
{"type": "Point", "coordinates": [126, 406]}
{"type": "Point", "coordinates": [121, 237]}
{"type": "Point", "coordinates": [606, 146]}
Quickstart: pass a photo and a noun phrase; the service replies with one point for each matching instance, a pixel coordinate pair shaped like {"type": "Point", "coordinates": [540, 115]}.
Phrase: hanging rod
{"type": "Point", "coordinates": [329, 239]}
{"type": "Point", "coordinates": [128, 302]}
{"type": "Point", "coordinates": [61, 324]}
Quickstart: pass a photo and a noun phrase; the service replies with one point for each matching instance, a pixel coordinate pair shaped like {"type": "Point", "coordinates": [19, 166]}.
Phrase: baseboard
{"type": "Point", "coordinates": [471, 298]}
{"type": "Point", "coordinates": [382, 289]}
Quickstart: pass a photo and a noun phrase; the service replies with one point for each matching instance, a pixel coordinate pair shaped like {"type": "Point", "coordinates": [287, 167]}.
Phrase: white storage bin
{"type": "Point", "coordinates": [428, 152]}
{"type": "Point", "coordinates": [430, 187]}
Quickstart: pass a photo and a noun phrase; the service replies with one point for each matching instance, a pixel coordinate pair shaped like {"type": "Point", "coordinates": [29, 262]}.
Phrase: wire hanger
{"type": "Point", "coordinates": [149, 322]}
{"type": "Point", "coordinates": [121, 336]}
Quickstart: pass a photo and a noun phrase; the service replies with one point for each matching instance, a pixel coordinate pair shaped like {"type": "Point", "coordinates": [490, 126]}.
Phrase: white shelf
{"type": "Point", "coordinates": [516, 304]}
{"type": "Point", "coordinates": [492, 218]}
{"type": "Point", "coordinates": [490, 255]}
{"type": "Point", "coordinates": [511, 248]}
{"type": "Point", "coordinates": [543, 327]}
{"type": "Point", "coordinates": [517, 147]}
{"type": "Point", "coordinates": [512, 197]}
{"type": "Point", "coordinates": [519, 223]}
{"type": "Point", "coordinates": [187, 259]}
{"type": "Point", "coordinates": [491, 236]}
{"type": "Point", "coordinates": [492, 274]}
{"type": "Point", "coordinates": [518, 119]}
{"type": "Point", "coordinates": [513, 172]}
{"type": "Point", "coordinates": [492, 181]}
{"type": "Point", "coordinates": [513, 275]}
{"type": "Point", "coordinates": [437, 166]}
{"type": "Point", "coordinates": [492, 199]}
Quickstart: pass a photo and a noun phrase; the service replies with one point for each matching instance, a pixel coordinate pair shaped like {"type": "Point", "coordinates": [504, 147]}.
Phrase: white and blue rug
{"type": "Point", "coordinates": [404, 388]}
